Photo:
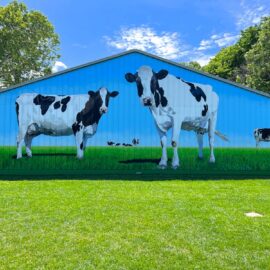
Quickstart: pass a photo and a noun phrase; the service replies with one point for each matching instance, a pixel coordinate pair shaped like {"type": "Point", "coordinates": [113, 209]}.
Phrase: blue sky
{"type": "Point", "coordinates": [180, 30]}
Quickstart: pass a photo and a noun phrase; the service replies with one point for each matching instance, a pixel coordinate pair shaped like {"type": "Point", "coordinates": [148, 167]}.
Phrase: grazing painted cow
{"type": "Point", "coordinates": [262, 135]}
{"type": "Point", "coordinates": [135, 141]}
{"type": "Point", "coordinates": [59, 116]}
{"type": "Point", "coordinates": [110, 143]}
{"type": "Point", "coordinates": [177, 104]}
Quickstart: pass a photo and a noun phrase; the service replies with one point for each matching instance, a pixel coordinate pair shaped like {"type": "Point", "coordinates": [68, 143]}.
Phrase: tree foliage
{"type": "Point", "coordinates": [28, 44]}
{"type": "Point", "coordinates": [258, 59]}
{"type": "Point", "coordinates": [192, 64]}
{"type": "Point", "coordinates": [247, 61]}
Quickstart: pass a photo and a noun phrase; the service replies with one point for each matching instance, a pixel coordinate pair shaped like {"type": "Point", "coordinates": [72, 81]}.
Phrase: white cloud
{"type": "Point", "coordinates": [164, 44]}
{"type": "Point", "coordinates": [58, 66]}
{"type": "Point", "coordinates": [251, 14]}
{"type": "Point", "coordinates": [202, 59]}
{"type": "Point", "coordinates": [220, 40]}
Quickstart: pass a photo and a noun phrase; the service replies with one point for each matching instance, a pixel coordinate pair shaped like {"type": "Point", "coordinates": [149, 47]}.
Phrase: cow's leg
{"type": "Point", "coordinates": [28, 141]}
{"type": "Point", "coordinates": [20, 139]}
{"type": "Point", "coordinates": [84, 142]}
{"type": "Point", "coordinates": [257, 143]}
{"type": "Point", "coordinates": [200, 144]}
{"type": "Point", "coordinates": [175, 138]}
{"type": "Point", "coordinates": [211, 135]}
{"type": "Point", "coordinates": [163, 141]}
{"type": "Point", "coordinates": [79, 144]}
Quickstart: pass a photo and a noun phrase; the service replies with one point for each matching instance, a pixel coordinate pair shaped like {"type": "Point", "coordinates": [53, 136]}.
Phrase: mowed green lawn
{"type": "Point", "coordinates": [134, 224]}
{"type": "Point", "coordinates": [134, 160]}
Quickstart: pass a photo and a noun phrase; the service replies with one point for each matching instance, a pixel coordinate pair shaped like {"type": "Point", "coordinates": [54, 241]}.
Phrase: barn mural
{"type": "Point", "coordinates": [133, 112]}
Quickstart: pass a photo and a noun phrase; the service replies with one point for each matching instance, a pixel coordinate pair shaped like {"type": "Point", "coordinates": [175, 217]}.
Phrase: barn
{"type": "Point", "coordinates": [111, 147]}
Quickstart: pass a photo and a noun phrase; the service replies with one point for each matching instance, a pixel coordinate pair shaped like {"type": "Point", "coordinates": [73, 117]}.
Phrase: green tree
{"type": "Point", "coordinates": [224, 63]}
{"type": "Point", "coordinates": [192, 64]}
{"type": "Point", "coordinates": [28, 44]}
{"type": "Point", "coordinates": [230, 62]}
{"type": "Point", "coordinates": [258, 59]}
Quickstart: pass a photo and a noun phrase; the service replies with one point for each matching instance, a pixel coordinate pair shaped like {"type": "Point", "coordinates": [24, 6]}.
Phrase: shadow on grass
{"type": "Point", "coordinates": [140, 160]}
{"type": "Point", "coordinates": [137, 176]}
{"type": "Point", "coordinates": [48, 155]}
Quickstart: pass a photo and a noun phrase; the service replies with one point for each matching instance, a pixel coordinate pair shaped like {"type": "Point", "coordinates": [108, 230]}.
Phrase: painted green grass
{"type": "Point", "coordinates": [134, 225]}
{"type": "Point", "coordinates": [135, 159]}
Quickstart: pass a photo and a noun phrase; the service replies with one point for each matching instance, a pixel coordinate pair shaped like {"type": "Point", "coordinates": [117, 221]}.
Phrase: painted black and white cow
{"type": "Point", "coordinates": [60, 116]}
{"type": "Point", "coordinates": [135, 141]}
{"type": "Point", "coordinates": [177, 104]}
{"type": "Point", "coordinates": [110, 143]}
{"type": "Point", "coordinates": [261, 135]}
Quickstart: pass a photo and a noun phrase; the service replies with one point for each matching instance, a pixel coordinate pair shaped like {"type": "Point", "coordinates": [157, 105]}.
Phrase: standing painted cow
{"type": "Point", "coordinates": [177, 104]}
{"type": "Point", "coordinates": [60, 116]}
{"type": "Point", "coordinates": [261, 135]}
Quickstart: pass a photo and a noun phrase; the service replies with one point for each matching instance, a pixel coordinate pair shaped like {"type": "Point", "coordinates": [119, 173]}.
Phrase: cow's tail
{"type": "Point", "coordinates": [222, 136]}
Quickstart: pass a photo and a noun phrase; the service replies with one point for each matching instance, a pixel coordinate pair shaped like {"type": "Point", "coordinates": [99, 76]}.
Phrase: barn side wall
{"type": "Point", "coordinates": [240, 111]}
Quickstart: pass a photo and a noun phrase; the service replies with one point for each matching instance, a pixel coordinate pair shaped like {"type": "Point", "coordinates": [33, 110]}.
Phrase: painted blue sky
{"type": "Point", "coordinates": [179, 30]}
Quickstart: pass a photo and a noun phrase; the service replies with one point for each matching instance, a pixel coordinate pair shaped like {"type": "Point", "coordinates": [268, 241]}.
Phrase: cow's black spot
{"type": "Point", "coordinates": [196, 91]}
{"type": "Point", "coordinates": [64, 103]}
{"type": "Point", "coordinates": [81, 146]}
{"type": "Point", "coordinates": [265, 133]}
{"type": "Point", "coordinates": [44, 102]}
{"type": "Point", "coordinates": [205, 110]}
{"type": "Point", "coordinates": [158, 92]}
{"type": "Point", "coordinates": [90, 114]}
{"type": "Point", "coordinates": [139, 86]}
{"type": "Point", "coordinates": [156, 96]}
{"type": "Point", "coordinates": [174, 144]}
{"type": "Point", "coordinates": [17, 111]}
{"type": "Point", "coordinates": [76, 127]}
{"type": "Point", "coordinates": [56, 105]}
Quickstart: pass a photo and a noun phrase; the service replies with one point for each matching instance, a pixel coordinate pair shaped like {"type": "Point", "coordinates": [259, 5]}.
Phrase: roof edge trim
{"type": "Point", "coordinates": [140, 52]}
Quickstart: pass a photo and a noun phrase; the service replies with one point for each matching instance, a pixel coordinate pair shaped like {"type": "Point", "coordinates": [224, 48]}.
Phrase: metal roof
{"type": "Point", "coordinates": [140, 52]}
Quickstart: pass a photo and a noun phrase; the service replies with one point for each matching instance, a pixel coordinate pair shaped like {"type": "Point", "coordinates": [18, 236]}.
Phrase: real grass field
{"type": "Point", "coordinates": [135, 160]}
{"type": "Point", "coordinates": [134, 225]}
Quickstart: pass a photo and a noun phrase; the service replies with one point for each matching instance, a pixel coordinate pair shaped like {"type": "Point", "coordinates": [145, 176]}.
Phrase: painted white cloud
{"type": "Point", "coordinates": [58, 66]}
{"type": "Point", "coordinates": [251, 13]}
{"type": "Point", "coordinates": [164, 44]}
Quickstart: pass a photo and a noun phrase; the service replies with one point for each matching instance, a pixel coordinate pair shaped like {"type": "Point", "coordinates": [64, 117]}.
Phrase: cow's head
{"type": "Point", "coordinates": [100, 99]}
{"type": "Point", "coordinates": [147, 84]}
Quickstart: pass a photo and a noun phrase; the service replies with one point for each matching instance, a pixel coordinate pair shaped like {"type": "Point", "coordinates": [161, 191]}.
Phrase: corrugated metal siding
{"type": "Point", "coordinates": [240, 111]}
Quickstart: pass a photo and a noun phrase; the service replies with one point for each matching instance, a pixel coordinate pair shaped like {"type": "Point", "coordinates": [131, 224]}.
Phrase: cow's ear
{"type": "Point", "coordinates": [162, 74]}
{"type": "Point", "coordinates": [130, 77]}
{"type": "Point", "coordinates": [114, 94]}
{"type": "Point", "coordinates": [91, 93]}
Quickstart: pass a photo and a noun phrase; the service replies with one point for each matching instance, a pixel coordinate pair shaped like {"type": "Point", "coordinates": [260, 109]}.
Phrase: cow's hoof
{"type": "Point", "coordinates": [162, 166]}
{"type": "Point", "coordinates": [212, 160]}
{"type": "Point", "coordinates": [175, 167]}
{"type": "Point", "coordinates": [29, 155]}
{"type": "Point", "coordinates": [79, 158]}
{"type": "Point", "coordinates": [19, 157]}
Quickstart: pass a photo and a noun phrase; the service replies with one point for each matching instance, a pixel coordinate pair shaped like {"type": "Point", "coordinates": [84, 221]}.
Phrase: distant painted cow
{"type": "Point", "coordinates": [59, 116]}
{"type": "Point", "coordinates": [177, 104]}
{"type": "Point", "coordinates": [261, 135]}
{"type": "Point", "coordinates": [135, 141]}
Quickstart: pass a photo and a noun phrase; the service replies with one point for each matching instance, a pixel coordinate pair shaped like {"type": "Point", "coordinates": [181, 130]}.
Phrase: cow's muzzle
{"type": "Point", "coordinates": [103, 110]}
{"type": "Point", "coordinates": [147, 101]}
